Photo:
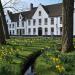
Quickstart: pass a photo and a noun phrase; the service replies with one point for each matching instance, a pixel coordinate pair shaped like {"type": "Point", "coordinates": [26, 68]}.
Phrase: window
{"type": "Point", "coordinates": [20, 17]}
{"type": "Point", "coordinates": [60, 30]}
{"type": "Point", "coordinates": [13, 31]}
{"type": "Point", "coordinates": [29, 22]}
{"type": "Point", "coordinates": [39, 13]}
{"type": "Point", "coordinates": [18, 31]}
{"type": "Point", "coordinates": [52, 31]}
{"type": "Point", "coordinates": [9, 25]}
{"type": "Point", "coordinates": [34, 31]}
{"type": "Point", "coordinates": [46, 21]}
{"type": "Point", "coordinates": [10, 32]}
{"type": "Point", "coordinates": [46, 31]}
{"type": "Point", "coordinates": [60, 20]}
{"type": "Point", "coordinates": [34, 21]}
{"type": "Point", "coordinates": [18, 24]}
{"type": "Point", "coordinates": [12, 25]}
{"type": "Point", "coordinates": [29, 31]}
{"type": "Point", "coordinates": [39, 21]}
{"type": "Point", "coordinates": [22, 31]}
{"type": "Point", "coordinates": [52, 20]}
{"type": "Point", "coordinates": [22, 23]}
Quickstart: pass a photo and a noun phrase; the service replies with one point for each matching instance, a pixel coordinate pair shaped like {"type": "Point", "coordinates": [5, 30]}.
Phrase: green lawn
{"type": "Point", "coordinates": [17, 49]}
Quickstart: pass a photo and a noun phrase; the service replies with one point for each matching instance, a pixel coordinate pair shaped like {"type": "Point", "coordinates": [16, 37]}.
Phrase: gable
{"type": "Point", "coordinates": [7, 18]}
{"type": "Point", "coordinates": [43, 12]}
{"type": "Point", "coordinates": [20, 16]}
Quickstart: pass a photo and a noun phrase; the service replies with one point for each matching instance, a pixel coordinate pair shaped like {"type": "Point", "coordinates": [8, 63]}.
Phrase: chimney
{"type": "Point", "coordinates": [9, 12]}
{"type": "Point", "coordinates": [31, 6]}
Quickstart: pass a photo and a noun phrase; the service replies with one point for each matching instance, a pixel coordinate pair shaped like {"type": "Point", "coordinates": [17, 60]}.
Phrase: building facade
{"type": "Point", "coordinates": [41, 20]}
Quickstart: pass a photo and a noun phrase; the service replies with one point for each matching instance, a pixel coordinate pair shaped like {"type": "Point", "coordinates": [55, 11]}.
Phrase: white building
{"type": "Point", "coordinates": [41, 20]}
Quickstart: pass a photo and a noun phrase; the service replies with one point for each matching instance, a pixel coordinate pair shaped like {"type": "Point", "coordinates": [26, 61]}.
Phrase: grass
{"type": "Point", "coordinates": [17, 49]}
{"type": "Point", "coordinates": [42, 68]}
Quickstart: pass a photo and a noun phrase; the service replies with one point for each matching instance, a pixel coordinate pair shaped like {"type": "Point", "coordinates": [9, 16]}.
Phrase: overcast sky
{"type": "Point", "coordinates": [25, 4]}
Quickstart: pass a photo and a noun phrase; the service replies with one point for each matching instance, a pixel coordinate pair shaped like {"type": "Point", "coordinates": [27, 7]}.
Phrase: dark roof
{"type": "Point", "coordinates": [26, 15]}
{"type": "Point", "coordinates": [52, 10]}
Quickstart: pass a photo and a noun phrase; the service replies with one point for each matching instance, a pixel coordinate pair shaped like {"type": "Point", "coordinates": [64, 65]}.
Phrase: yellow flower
{"type": "Point", "coordinates": [57, 59]}
{"type": "Point", "coordinates": [54, 59]}
{"type": "Point", "coordinates": [60, 68]}
{"type": "Point", "coordinates": [57, 66]}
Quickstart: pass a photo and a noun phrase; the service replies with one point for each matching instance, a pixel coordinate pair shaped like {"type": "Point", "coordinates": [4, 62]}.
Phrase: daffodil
{"type": "Point", "coordinates": [55, 59]}
{"type": "Point", "coordinates": [60, 68]}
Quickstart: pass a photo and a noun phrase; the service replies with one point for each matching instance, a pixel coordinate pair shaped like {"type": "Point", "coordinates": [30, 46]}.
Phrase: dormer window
{"type": "Point", "coordinates": [39, 13]}
{"type": "Point", "coordinates": [20, 17]}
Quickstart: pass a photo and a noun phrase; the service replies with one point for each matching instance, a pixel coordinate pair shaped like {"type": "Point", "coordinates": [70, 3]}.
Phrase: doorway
{"type": "Point", "coordinates": [40, 31]}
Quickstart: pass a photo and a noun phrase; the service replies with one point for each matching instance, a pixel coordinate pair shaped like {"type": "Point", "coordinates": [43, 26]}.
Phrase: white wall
{"type": "Point", "coordinates": [42, 17]}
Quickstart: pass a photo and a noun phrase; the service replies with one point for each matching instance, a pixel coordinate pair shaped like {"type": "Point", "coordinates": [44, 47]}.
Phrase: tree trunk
{"type": "Point", "coordinates": [67, 37]}
{"type": "Point", "coordinates": [2, 36]}
{"type": "Point", "coordinates": [4, 22]}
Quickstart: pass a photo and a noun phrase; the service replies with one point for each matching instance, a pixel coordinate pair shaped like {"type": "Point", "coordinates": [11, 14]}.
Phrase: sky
{"type": "Point", "coordinates": [22, 5]}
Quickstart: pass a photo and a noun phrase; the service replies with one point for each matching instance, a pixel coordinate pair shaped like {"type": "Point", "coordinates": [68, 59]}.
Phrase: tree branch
{"type": "Point", "coordinates": [11, 7]}
{"type": "Point", "coordinates": [7, 3]}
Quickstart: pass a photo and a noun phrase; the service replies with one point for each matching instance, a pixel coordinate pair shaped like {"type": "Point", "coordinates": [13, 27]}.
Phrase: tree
{"type": "Point", "coordinates": [2, 36]}
{"type": "Point", "coordinates": [67, 37]}
{"type": "Point", "coordinates": [5, 26]}
{"type": "Point", "coordinates": [4, 22]}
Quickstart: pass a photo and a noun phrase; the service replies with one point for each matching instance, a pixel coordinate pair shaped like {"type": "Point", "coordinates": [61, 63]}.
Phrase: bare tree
{"type": "Point", "coordinates": [5, 26]}
{"type": "Point", "coordinates": [4, 22]}
{"type": "Point", "coordinates": [67, 37]}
